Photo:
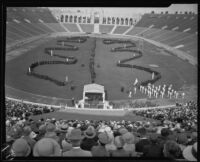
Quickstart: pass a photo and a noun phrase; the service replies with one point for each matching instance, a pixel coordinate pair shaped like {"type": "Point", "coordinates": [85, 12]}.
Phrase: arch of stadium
{"type": "Point", "coordinates": [97, 25]}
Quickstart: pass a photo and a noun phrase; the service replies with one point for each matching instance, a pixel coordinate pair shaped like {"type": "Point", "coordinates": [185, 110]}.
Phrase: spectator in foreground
{"type": "Point", "coordinates": [182, 141]}
{"type": "Point", "coordinates": [51, 132]}
{"type": "Point", "coordinates": [129, 140]}
{"type": "Point", "coordinates": [75, 138]}
{"type": "Point", "coordinates": [172, 150]}
{"type": "Point", "coordinates": [90, 139]}
{"type": "Point", "coordinates": [47, 147]}
{"type": "Point", "coordinates": [20, 148]}
{"type": "Point", "coordinates": [120, 152]}
{"type": "Point", "coordinates": [142, 141]}
{"type": "Point", "coordinates": [153, 150]}
{"type": "Point", "coordinates": [190, 152]}
{"type": "Point", "coordinates": [28, 136]}
{"type": "Point", "coordinates": [100, 150]}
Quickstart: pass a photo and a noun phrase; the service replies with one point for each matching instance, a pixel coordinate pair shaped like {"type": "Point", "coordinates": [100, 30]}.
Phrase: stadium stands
{"type": "Point", "coordinates": [177, 125]}
{"type": "Point", "coordinates": [105, 28]}
{"type": "Point", "coordinates": [26, 22]}
{"type": "Point", "coordinates": [120, 29]}
{"type": "Point", "coordinates": [175, 30]}
{"type": "Point", "coordinates": [87, 28]}
{"type": "Point", "coordinates": [71, 27]}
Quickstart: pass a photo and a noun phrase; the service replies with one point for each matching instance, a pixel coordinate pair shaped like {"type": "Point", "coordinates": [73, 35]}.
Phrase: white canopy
{"type": "Point", "coordinates": [93, 88]}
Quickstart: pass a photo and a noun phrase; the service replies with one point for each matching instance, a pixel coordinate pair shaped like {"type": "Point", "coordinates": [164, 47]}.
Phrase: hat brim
{"type": "Point", "coordinates": [28, 151]}
{"type": "Point", "coordinates": [187, 154]}
{"type": "Point", "coordinates": [73, 138]}
{"type": "Point", "coordinates": [86, 135]}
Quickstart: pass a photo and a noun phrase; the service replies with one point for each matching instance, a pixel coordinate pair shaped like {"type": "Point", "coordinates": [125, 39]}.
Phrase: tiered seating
{"type": "Point", "coordinates": [136, 30]}
{"type": "Point", "coordinates": [87, 27]}
{"type": "Point", "coordinates": [178, 31]}
{"type": "Point", "coordinates": [120, 29]}
{"type": "Point", "coordinates": [71, 27]}
{"type": "Point", "coordinates": [105, 28]}
{"type": "Point", "coordinates": [183, 21]}
{"type": "Point", "coordinates": [26, 22]}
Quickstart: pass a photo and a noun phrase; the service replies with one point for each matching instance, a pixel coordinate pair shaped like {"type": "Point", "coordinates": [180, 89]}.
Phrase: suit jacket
{"type": "Point", "coordinates": [77, 152]}
{"type": "Point", "coordinates": [88, 143]}
{"type": "Point", "coordinates": [99, 151]}
{"type": "Point", "coordinates": [153, 150]}
{"type": "Point", "coordinates": [140, 145]}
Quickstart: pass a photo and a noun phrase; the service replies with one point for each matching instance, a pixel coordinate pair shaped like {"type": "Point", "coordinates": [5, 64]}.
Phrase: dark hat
{"type": "Point", "coordinates": [90, 132]}
{"type": "Point", "coordinates": [190, 152]}
{"type": "Point", "coordinates": [142, 131]}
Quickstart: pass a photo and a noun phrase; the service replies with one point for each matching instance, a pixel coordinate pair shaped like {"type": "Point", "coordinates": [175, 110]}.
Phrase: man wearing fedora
{"type": "Point", "coordinates": [75, 138]}
{"type": "Point", "coordinates": [100, 150]}
{"type": "Point", "coordinates": [90, 139]}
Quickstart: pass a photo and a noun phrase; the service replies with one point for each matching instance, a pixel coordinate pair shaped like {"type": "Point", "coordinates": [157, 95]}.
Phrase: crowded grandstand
{"type": "Point", "coordinates": [92, 83]}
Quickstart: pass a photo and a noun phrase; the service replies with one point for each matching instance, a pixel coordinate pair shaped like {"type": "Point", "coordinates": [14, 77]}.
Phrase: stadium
{"type": "Point", "coordinates": [97, 71]}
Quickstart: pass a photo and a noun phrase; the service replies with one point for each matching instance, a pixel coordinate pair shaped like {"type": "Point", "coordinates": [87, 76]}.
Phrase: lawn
{"type": "Point", "coordinates": [173, 71]}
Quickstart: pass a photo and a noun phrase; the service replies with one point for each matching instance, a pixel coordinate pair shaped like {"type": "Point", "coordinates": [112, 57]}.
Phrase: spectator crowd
{"type": "Point", "coordinates": [168, 139]}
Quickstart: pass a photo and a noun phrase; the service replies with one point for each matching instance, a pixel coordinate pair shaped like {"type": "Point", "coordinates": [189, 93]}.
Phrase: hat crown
{"type": "Point", "coordinates": [75, 134]}
{"type": "Point", "coordinates": [103, 138]}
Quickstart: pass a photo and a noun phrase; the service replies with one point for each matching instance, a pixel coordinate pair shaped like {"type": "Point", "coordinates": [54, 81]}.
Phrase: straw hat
{"type": "Point", "coordinates": [21, 148]}
{"type": "Point", "coordinates": [190, 152]}
{"type": "Point", "coordinates": [103, 138]}
{"type": "Point", "coordinates": [128, 138]}
{"type": "Point", "coordinates": [46, 147]}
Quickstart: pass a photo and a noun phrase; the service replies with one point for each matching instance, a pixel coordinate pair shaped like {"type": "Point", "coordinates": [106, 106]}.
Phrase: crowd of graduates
{"type": "Point", "coordinates": [168, 139]}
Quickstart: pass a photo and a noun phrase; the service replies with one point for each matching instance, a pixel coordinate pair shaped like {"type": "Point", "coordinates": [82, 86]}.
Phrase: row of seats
{"type": "Point", "coordinates": [26, 22]}
{"type": "Point", "coordinates": [171, 21]}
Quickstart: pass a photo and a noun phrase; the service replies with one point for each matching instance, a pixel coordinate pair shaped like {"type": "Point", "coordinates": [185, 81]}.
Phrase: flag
{"type": "Point", "coordinates": [136, 81]}
{"type": "Point", "coordinates": [152, 76]}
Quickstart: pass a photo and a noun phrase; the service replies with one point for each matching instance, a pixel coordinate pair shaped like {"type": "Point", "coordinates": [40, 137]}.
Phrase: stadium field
{"type": "Point", "coordinates": [172, 69]}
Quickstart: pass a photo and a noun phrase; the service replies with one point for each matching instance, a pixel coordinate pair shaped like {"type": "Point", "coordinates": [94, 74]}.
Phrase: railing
{"type": "Point", "coordinates": [90, 108]}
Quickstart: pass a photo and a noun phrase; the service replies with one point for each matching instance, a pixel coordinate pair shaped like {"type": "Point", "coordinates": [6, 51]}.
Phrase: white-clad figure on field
{"type": "Point", "coordinates": [51, 52]}
{"type": "Point", "coordinates": [156, 94]}
{"type": "Point", "coordinates": [135, 90]}
{"type": "Point", "coordinates": [67, 59]}
{"type": "Point", "coordinates": [66, 79]}
{"type": "Point", "coordinates": [130, 94]}
{"type": "Point", "coordinates": [140, 88]}
{"type": "Point", "coordinates": [176, 95]}
{"type": "Point", "coordinates": [162, 94]}
{"type": "Point", "coordinates": [29, 70]}
{"type": "Point", "coordinates": [145, 90]}
{"type": "Point", "coordinates": [149, 94]}
{"type": "Point", "coordinates": [170, 95]}
{"type": "Point", "coordinates": [183, 95]}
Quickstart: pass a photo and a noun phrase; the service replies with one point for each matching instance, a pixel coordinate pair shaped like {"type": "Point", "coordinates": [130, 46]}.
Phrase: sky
{"type": "Point", "coordinates": [138, 10]}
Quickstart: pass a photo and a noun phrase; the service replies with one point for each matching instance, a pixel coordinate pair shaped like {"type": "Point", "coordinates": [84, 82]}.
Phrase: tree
{"type": "Point", "coordinates": [152, 12]}
{"type": "Point", "coordinates": [166, 12]}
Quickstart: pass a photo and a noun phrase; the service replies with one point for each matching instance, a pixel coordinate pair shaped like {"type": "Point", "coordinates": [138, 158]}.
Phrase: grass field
{"type": "Point", "coordinates": [92, 116]}
{"type": "Point", "coordinates": [173, 71]}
